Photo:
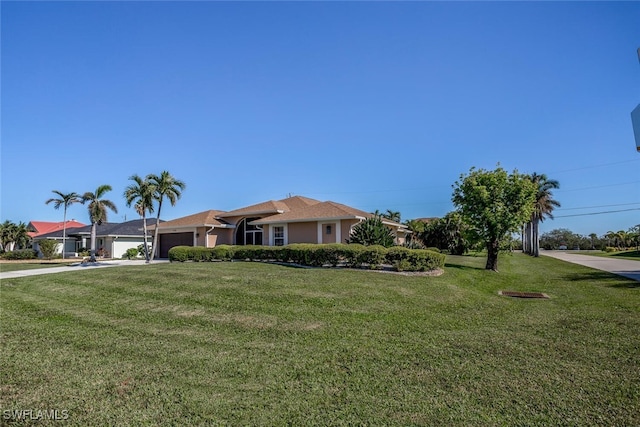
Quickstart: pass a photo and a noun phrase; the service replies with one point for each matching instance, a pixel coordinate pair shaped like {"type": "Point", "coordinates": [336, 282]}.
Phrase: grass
{"type": "Point", "coordinates": [6, 266]}
{"type": "Point", "coordinates": [259, 344]}
{"type": "Point", "coordinates": [632, 255]}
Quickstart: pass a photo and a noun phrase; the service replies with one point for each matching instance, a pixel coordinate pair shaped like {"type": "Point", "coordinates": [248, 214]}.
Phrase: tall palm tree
{"type": "Point", "coordinates": [97, 212]}
{"type": "Point", "coordinates": [142, 194]}
{"type": "Point", "coordinates": [166, 185]}
{"type": "Point", "coordinates": [392, 215]}
{"type": "Point", "coordinates": [65, 200]}
{"type": "Point", "coordinates": [544, 206]}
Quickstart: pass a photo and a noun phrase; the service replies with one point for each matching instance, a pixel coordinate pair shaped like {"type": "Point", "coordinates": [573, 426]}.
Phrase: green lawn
{"type": "Point", "coordinates": [258, 344]}
{"type": "Point", "coordinates": [632, 255]}
{"type": "Point", "coordinates": [32, 265]}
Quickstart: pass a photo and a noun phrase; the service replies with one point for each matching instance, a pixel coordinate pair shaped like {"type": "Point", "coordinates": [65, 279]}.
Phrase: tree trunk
{"type": "Point", "coordinates": [64, 230]}
{"type": "Point", "coordinates": [93, 243]}
{"type": "Point", "coordinates": [536, 240]}
{"type": "Point", "coordinates": [144, 230]}
{"type": "Point", "coordinates": [154, 247]}
{"type": "Point", "coordinates": [492, 255]}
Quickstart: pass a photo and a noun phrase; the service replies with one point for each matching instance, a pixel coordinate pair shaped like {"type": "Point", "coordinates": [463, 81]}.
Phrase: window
{"type": "Point", "coordinates": [247, 234]}
{"type": "Point", "coordinates": [278, 235]}
{"type": "Point", "coordinates": [328, 229]}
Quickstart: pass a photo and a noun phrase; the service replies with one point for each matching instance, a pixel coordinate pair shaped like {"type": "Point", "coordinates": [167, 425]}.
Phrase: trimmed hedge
{"type": "Point", "coordinates": [351, 255]}
{"type": "Point", "coordinates": [20, 254]}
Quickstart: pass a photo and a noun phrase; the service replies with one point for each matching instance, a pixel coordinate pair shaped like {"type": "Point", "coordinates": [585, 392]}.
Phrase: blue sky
{"type": "Point", "coordinates": [378, 105]}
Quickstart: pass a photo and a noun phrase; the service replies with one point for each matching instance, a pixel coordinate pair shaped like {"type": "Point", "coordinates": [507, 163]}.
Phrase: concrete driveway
{"type": "Point", "coordinates": [622, 267]}
{"type": "Point", "coordinates": [72, 267]}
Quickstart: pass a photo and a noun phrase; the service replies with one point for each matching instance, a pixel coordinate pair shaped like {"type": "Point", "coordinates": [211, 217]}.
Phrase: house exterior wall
{"type": "Point", "coordinates": [346, 226]}
{"type": "Point", "coordinates": [303, 232]}
{"type": "Point", "coordinates": [219, 236]}
{"type": "Point", "coordinates": [117, 247]}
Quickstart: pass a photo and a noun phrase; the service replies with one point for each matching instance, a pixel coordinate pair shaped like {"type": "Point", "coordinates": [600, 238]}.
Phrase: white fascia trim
{"type": "Point", "coordinates": [249, 214]}
{"type": "Point", "coordinates": [324, 219]}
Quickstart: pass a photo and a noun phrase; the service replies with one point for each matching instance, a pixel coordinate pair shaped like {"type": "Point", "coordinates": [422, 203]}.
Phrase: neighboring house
{"type": "Point", "coordinates": [38, 228]}
{"type": "Point", "coordinates": [295, 219]}
{"type": "Point", "coordinates": [112, 239]}
{"type": "Point", "coordinates": [41, 228]}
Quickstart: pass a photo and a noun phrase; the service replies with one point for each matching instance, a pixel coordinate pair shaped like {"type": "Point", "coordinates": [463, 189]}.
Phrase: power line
{"type": "Point", "coordinates": [600, 206]}
{"type": "Point", "coordinates": [596, 213]}
{"type": "Point", "coordinates": [601, 186]}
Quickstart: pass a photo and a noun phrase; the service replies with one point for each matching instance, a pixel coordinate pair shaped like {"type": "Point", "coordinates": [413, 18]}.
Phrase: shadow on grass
{"type": "Point", "coordinates": [620, 282]}
{"type": "Point", "coordinates": [463, 267]}
{"type": "Point", "coordinates": [631, 254]}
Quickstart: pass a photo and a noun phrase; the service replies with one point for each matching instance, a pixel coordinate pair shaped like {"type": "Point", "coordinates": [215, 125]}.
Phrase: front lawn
{"type": "Point", "coordinates": [632, 255]}
{"type": "Point", "coordinates": [258, 344]}
{"type": "Point", "coordinates": [6, 266]}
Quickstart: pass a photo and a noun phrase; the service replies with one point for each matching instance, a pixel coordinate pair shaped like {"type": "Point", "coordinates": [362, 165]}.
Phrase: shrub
{"type": "Point", "coordinates": [372, 231]}
{"type": "Point", "coordinates": [48, 247]}
{"type": "Point", "coordinates": [141, 249]}
{"type": "Point", "coordinates": [223, 252]}
{"type": "Point", "coordinates": [372, 256]}
{"type": "Point", "coordinates": [131, 253]}
{"type": "Point", "coordinates": [404, 259]}
{"type": "Point", "coordinates": [610, 249]}
{"type": "Point", "coordinates": [353, 255]}
{"type": "Point", "coordinates": [179, 253]}
{"type": "Point", "coordinates": [20, 254]}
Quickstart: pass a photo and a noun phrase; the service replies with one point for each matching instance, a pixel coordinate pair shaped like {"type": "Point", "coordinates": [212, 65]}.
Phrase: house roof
{"type": "Point", "coordinates": [318, 211]}
{"type": "Point", "coordinates": [272, 207]}
{"type": "Point", "coordinates": [45, 227]}
{"type": "Point", "coordinates": [129, 228]}
{"type": "Point", "coordinates": [205, 218]}
{"type": "Point", "coordinates": [291, 209]}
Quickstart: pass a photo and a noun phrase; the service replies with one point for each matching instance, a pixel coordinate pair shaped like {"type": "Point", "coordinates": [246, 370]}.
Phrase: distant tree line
{"type": "Point", "coordinates": [563, 238]}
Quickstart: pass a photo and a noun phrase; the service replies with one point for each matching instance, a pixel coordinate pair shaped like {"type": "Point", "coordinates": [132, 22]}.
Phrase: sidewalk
{"type": "Point", "coordinates": [622, 267]}
{"type": "Point", "coordinates": [74, 267]}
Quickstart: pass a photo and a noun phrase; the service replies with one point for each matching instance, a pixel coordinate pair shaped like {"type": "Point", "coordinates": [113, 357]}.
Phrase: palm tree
{"type": "Point", "coordinates": [416, 227]}
{"type": "Point", "coordinates": [65, 200]}
{"type": "Point", "coordinates": [544, 205]}
{"type": "Point", "coordinates": [392, 215]}
{"type": "Point", "coordinates": [13, 235]}
{"type": "Point", "coordinates": [142, 193]}
{"type": "Point", "coordinates": [167, 186]}
{"type": "Point", "coordinates": [97, 212]}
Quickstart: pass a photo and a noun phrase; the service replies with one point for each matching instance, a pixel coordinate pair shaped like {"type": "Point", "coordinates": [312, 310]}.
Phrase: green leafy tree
{"type": "Point", "coordinates": [64, 200]}
{"type": "Point", "coordinates": [49, 248]}
{"type": "Point", "coordinates": [634, 236]}
{"type": "Point", "coordinates": [142, 193]}
{"type": "Point", "coordinates": [495, 204]}
{"type": "Point", "coordinates": [97, 207]}
{"type": "Point", "coordinates": [449, 233]}
{"type": "Point", "coordinates": [372, 231]}
{"type": "Point", "coordinates": [166, 186]}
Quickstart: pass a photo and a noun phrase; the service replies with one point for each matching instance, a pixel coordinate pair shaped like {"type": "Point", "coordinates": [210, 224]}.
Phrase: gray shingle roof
{"type": "Point", "coordinates": [129, 228]}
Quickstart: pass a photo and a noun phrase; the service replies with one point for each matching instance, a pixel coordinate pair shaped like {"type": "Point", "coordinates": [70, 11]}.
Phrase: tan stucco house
{"type": "Point", "coordinates": [295, 219]}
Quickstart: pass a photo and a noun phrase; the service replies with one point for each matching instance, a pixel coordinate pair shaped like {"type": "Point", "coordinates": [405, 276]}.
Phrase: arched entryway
{"type": "Point", "coordinates": [247, 234]}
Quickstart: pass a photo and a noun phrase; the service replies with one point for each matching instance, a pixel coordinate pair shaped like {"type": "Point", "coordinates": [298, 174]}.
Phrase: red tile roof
{"type": "Point", "coordinates": [45, 227]}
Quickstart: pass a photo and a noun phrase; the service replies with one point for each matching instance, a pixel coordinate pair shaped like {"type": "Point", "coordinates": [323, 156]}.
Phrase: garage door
{"type": "Point", "coordinates": [167, 241]}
